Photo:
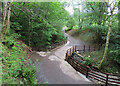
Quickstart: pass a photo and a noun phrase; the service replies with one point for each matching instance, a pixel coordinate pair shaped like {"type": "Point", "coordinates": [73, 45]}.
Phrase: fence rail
{"type": "Point", "coordinates": [105, 78]}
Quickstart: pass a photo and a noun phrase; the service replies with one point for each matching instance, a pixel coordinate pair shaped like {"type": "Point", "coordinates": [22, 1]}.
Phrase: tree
{"type": "Point", "coordinates": [40, 25]}
{"type": "Point", "coordinates": [108, 34]}
{"type": "Point", "coordinates": [70, 22]}
{"type": "Point", "coordinates": [5, 18]}
{"type": "Point", "coordinates": [78, 13]}
{"type": "Point", "coordinates": [97, 12]}
{"type": "Point", "coordinates": [78, 17]}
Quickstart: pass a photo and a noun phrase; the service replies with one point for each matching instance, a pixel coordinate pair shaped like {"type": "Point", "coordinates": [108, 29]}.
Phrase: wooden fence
{"type": "Point", "coordinates": [93, 74]}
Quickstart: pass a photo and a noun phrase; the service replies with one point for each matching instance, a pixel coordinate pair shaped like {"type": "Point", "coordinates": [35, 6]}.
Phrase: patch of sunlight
{"type": "Point", "coordinates": [43, 53]}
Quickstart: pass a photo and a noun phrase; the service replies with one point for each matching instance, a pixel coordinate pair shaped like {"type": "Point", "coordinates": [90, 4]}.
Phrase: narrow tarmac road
{"type": "Point", "coordinates": [54, 69]}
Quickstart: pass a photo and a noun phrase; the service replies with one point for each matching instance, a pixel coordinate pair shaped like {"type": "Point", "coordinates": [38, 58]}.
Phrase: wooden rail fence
{"type": "Point", "coordinates": [93, 74]}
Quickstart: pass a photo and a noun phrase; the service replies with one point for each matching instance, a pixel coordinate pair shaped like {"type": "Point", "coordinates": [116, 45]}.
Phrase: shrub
{"type": "Point", "coordinates": [115, 55]}
{"type": "Point", "coordinates": [88, 61]}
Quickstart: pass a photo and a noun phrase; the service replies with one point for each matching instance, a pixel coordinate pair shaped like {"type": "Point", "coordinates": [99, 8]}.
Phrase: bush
{"type": "Point", "coordinates": [115, 55]}
{"type": "Point", "coordinates": [88, 61]}
{"type": "Point", "coordinates": [28, 73]}
{"type": "Point", "coordinates": [111, 70]}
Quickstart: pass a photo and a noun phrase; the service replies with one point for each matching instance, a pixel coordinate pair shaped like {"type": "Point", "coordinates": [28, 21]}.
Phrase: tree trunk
{"type": "Point", "coordinates": [6, 18]}
{"type": "Point", "coordinates": [107, 41]}
{"type": "Point", "coordinates": [4, 11]}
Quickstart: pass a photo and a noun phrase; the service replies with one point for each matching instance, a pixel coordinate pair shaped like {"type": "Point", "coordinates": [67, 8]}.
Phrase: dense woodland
{"type": "Point", "coordinates": [39, 25]}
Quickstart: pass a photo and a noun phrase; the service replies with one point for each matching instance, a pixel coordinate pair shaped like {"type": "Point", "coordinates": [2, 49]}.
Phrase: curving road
{"type": "Point", "coordinates": [53, 69]}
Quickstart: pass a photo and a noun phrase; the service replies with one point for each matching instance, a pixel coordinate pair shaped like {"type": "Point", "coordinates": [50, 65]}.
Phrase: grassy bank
{"type": "Point", "coordinates": [84, 35]}
{"type": "Point", "coordinates": [16, 68]}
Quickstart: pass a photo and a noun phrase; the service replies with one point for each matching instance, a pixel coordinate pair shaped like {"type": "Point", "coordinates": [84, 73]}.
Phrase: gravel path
{"type": "Point", "coordinates": [53, 69]}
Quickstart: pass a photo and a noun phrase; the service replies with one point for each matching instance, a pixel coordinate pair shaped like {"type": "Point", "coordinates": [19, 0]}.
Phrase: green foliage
{"type": "Point", "coordinates": [88, 61]}
{"type": "Point", "coordinates": [111, 70]}
{"type": "Point", "coordinates": [75, 27]}
{"type": "Point", "coordinates": [40, 25]}
{"type": "Point", "coordinates": [99, 32]}
{"type": "Point", "coordinates": [114, 47]}
{"type": "Point", "coordinates": [114, 54]}
{"type": "Point", "coordinates": [79, 16]}
{"type": "Point", "coordinates": [70, 23]}
{"type": "Point", "coordinates": [94, 18]}
{"type": "Point", "coordinates": [28, 73]}
{"type": "Point", "coordinates": [96, 12]}
{"type": "Point", "coordinates": [66, 29]}
{"type": "Point", "coordinates": [16, 68]}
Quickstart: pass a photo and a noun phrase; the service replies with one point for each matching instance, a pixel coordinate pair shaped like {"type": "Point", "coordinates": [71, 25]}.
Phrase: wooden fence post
{"type": "Point", "coordinates": [75, 48]}
{"type": "Point", "coordinates": [84, 48]}
{"type": "Point", "coordinates": [70, 51]}
{"type": "Point", "coordinates": [77, 66]}
{"type": "Point", "coordinates": [106, 79]}
{"type": "Point", "coordinates": [87, 72]}
{"type": "Point", "coordinates": [66, 57]}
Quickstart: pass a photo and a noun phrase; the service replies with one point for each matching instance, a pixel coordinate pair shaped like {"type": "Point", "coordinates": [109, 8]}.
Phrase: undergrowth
{"type": "Point", "coordinates": [16, 69]}
{"type": "Point", "coordinates": [94, 58]}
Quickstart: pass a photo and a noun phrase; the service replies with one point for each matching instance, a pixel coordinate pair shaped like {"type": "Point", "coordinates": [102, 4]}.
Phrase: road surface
{"type": "Point", "coordinates": [53, 69]}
